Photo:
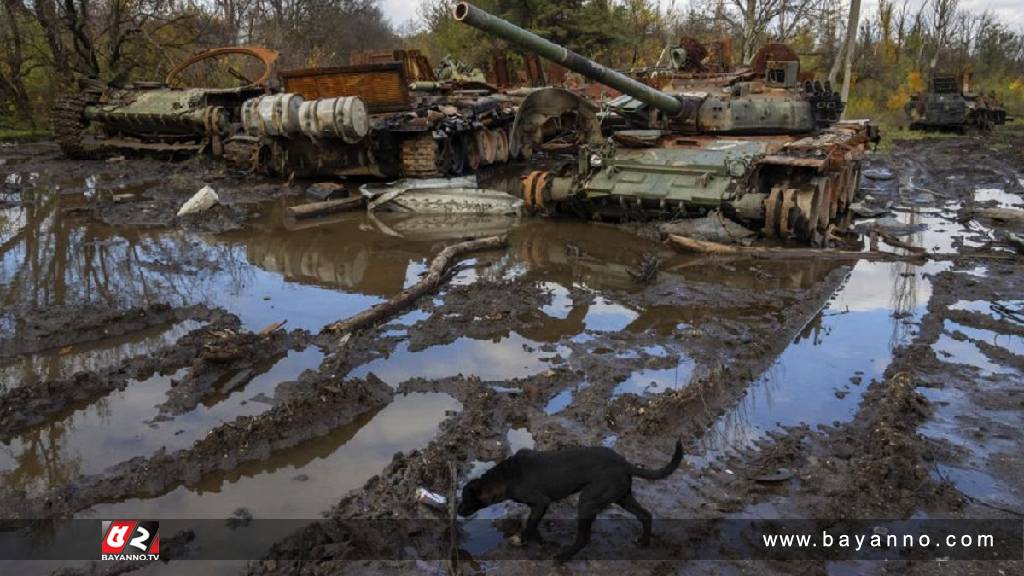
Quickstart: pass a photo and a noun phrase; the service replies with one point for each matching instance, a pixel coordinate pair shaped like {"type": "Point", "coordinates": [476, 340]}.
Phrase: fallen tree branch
{"type": "Point", "coordinates": [685, 244]}
{"type": "Point", "coordinates": [428, 283]}
{"type": "Point", "coordinates": [314, 209]}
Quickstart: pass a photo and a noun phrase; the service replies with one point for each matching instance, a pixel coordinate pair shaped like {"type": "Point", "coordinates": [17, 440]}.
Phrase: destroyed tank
{"type": "Point", "coordinates": [385, 117]}
{"type": "Point", "coordinates": [949, 105]}
{"type": "Point", "coordinates": [762, 147]}
{"type": "Point", "coordinates": [419, 126]}
{"type": "Point", "coordinates": [154, 116]}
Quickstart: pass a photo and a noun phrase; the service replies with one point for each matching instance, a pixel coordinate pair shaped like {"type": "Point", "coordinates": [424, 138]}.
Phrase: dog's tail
{"type": "Point", "coordinates": [662, 472]}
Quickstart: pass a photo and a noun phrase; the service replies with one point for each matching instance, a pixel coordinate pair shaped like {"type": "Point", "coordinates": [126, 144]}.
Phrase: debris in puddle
{"type": "Point", "coordinates": [714, 227]}
{"type": "Point", "coordinates": [323, 191]}
{"type": "Point", "coordinates": [445, 200]}
{"type": "Point", "coordinates": [431, 499]}
{"type": "Point", "coordinates": [878, 174]}
{"type": "Point", "coordinates": [325, 208]}
{"type": "Point", "coordinates": [429, 282]}
{"type": "Point", "coordinates": [203, 200]}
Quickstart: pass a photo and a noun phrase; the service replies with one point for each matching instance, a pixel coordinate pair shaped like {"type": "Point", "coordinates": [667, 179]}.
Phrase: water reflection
{"type": "Point", "coordinates": [28, 370]}
{"type": "Point", "coordinates": [822, 374]}
{"type": "Point", "coordinates": [313, 475]}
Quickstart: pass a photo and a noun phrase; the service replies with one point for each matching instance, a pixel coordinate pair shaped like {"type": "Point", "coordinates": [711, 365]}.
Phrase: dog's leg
{"type": "Point", "coordinates": [583, 528]}
{"type": "Point", "coordinates": [636, 509]}
{"type": "Point", "coordinates": [537, 512]}
{"type": "Point", "coordinates": [590, 505]}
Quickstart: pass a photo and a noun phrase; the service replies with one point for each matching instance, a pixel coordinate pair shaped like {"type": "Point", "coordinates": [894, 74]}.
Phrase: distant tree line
{"type": "Point", "coordinates": [45, 44]}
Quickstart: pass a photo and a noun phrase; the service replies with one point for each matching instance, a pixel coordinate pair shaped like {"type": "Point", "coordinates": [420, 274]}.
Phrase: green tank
{"type": "Point", "coordinates": [761, 145]}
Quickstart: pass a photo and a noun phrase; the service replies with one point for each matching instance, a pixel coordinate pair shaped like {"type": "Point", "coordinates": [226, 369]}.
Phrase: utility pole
{"type": "Point", "coordinates": [851, 43]}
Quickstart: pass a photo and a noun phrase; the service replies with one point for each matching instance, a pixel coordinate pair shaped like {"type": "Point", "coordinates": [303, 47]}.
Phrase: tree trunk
{"type": "Point", "coordinates": [851, 42]}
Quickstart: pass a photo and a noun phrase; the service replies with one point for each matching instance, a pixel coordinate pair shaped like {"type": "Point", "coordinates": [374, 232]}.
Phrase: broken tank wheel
{"type": "Point", "coordinates": [486, 144]}
{"type": "Point", "coordinates": [501, 149]}
{"type": "Point", "coordinates": [469, 146]}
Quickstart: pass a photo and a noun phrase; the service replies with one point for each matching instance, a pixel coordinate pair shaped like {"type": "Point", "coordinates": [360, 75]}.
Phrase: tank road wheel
{"type": "Point", "coordinates": [469, 145]}
{"type": "Point", "coordinates": [501, 155]}
{"type": "Point", "coordinates": [421, 157]}
{"type": "Point", "coordinates": [456, 151]}
{"type": "Point", "coordinates": [68, 124]}
{"type": "Point", "coordinates": [494, 143]}
{"type": "Point", "coordinates": [788, 213]}
{"type": "Point", "coordinates": [485, 146]}
{"type": "Point", "coordinates": [772, 212]}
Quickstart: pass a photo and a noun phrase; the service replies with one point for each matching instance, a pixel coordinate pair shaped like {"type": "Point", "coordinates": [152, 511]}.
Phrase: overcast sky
{"type": "Point", "coordinates": [1010, 12]}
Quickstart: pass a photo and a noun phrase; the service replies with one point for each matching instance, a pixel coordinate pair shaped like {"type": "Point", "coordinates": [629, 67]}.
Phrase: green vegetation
{"type": "Point", "coordinates": [18, 134]}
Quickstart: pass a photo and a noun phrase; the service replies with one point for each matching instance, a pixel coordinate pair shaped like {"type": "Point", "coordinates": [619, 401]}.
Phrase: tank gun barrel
{"type": "Point", "coordinates": [486, 22]}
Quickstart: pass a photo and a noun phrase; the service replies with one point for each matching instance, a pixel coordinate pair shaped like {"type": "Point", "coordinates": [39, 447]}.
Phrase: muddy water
{"type": "Point", "coordinates": [64, 362]}
{"type": "Point", "coordinates": [317, 272]}
{"type": "Point", "coordinates": [820, 377]}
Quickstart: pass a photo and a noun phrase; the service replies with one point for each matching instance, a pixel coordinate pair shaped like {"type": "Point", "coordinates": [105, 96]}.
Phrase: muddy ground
{"type": "Point", "coordinates": [145, 370]}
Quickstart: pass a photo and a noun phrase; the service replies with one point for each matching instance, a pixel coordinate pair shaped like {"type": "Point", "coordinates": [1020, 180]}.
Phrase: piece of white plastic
{"type": "Point", "coordinates": [203, 200]}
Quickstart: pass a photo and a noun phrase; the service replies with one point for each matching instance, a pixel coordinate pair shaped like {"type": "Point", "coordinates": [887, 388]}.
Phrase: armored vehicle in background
{"type": "Point", "coordinates": [949, 105]}
{"type": "Point", "coordinates": [762, 146]}
{"type": "Point", "coordinates": [385, 117]}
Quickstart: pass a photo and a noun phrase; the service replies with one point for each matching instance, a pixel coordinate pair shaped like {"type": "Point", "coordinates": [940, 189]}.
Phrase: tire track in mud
{"type": "Point", "coordinates": [314, 405]}
{"type": "Point", "coordinates": [26, 406]}
{"type": "Point", "coordinates": [490, 409]}
{"type": "Point", "coordinates": [53, 327]}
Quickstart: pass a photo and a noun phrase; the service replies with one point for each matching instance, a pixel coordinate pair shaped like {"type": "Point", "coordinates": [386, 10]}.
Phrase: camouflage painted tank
{"type": "Point", "coordinates": [948, 105]}
{"type": "Point", "coordinates": [760, 145]}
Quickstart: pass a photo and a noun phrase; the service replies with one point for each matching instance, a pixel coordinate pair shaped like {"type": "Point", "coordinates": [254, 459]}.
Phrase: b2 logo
{"type": "Point", "coordinates": [130, 540]}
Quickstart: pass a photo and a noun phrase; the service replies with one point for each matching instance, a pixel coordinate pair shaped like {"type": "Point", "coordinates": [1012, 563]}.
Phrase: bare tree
{"type": "Point", "coordinates": [851, 42]}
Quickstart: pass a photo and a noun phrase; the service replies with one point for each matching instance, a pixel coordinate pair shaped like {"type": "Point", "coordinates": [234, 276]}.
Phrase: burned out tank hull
{"type": "Point", "coordinates": [784, 186]}
{"type": "Point", "coordinates": [379, 119]}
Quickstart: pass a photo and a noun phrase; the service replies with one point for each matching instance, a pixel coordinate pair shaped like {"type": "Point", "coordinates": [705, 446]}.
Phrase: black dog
{"type": "Point", "coordinates": [600, 475]}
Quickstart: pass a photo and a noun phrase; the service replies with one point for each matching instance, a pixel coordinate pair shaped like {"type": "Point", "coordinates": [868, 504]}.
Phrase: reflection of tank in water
{"type": "Point", "coordinates": [348, 255]}
{"type": "Point", "coordinates": [949, 105]}
{"type": "Point", "coordinates": [760, 145]}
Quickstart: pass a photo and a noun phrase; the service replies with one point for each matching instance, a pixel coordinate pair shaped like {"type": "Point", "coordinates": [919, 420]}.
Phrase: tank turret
{"type": "Point", "coordinates": [481, 20]}
{"type": "Point", "coordinates": [769, 98]}
{"type": "Point", "coordinates": [760, 146]}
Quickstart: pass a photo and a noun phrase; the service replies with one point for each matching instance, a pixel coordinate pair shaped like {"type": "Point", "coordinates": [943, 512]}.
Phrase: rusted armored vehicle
{"type": "Point", "coordinates": [419, 126]}
{"type": "Point", "coordinates": [766, 149]}
{"type": "Point", "coordinates": [160, 117]}
{"type": "Point", "coordinates": [950, 105]}
{"type": "Point", "coordinates": [385, 117]}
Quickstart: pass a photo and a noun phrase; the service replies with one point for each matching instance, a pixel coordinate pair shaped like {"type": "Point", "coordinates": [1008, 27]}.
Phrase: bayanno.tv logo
{"type": "Point", "coordinates": [130, 540]}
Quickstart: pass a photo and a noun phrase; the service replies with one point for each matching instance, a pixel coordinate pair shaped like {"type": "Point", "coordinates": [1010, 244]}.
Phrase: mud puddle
{"type": "Point", "coordinates": [62, 363]}
{"type": "Point", "coordinates": [503, 359]}
{"type": "Point", "coordinates": [822, 375]}
{"type": "Point", "coordinates": [125, 424]}
{"type": "Point", "coordinates": [298, 485]}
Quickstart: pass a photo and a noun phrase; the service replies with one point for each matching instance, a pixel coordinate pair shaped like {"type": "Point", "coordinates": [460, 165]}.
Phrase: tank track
{"type": "Point", "coordinates": [68, 124]}
{"type": "Point", "coordinates": [420, 157]}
